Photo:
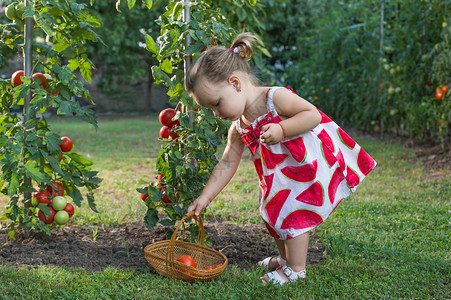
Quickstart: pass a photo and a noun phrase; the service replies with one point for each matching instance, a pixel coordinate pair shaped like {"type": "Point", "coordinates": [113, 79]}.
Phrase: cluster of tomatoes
{"type": "Point", "coordinates": [60, 209]}
{"type": "Point", "coordinates": [161, 186]}
{"type": "Point", "coordinates": [189, 261]}
{"type": "Point", "coordinates": [441, 92]}
{"type": "Point", "coordinates": [44, 80]}
{"type": "Point", "coordinates": [166, 119]}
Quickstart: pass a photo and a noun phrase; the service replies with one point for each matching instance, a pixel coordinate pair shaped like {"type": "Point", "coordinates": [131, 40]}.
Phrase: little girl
{"type": "Point", "coordinates": [306, 164]}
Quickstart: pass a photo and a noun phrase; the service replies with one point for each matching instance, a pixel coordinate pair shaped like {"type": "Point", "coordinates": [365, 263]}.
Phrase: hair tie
{"type": "Point", "coordinates": [234, 50]}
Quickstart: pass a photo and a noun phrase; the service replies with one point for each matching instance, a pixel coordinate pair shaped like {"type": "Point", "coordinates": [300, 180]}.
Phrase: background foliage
{"type": "Point", "coordinates": [374, 64]}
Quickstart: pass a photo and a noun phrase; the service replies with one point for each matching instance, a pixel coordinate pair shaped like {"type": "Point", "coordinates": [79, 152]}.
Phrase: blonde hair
{"type": "Point", "coordinates": [218, 63]}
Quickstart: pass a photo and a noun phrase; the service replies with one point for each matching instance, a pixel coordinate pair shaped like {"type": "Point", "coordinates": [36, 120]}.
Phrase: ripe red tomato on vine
{"type": "Point", "coordinates": [166, 132]}
{"type": "Point", "coordinates": [67, 145]}
{"type": "Point", "coordinates": [41, 78]}
{"type": "Point", "coordinates": [48, 220]}
{"type": "Point", "coordinates": [69, 209]}
{"type": "Point", "coordinates": [445, 89]}
{"type": "Point", "coordinates": [59, 191]}
{"type": "Point", "coordinates": [439, 93]}
{"type": "Point", "coordinates": [15, 78]}
{"type": "Point", "coordinates": [42, 196]}
{"type": "Point", "coordinates": [166, 116]}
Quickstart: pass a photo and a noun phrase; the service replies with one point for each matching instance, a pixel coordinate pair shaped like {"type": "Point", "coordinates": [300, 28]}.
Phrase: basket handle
{"type": "Point", "coordinates": [200, 237]}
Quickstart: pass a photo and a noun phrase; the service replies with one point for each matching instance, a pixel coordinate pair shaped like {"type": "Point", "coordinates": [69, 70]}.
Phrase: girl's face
{"type": "Point", "coordinates": [225, 99]}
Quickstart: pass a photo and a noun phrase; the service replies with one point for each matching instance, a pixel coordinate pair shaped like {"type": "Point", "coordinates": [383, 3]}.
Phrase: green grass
{"type": "Point", "coordinates": [390, 240]}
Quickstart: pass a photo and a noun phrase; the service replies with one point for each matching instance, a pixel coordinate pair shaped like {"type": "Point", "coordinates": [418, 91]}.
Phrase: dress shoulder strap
{"type": "Point", "coordinates": [269, 99]}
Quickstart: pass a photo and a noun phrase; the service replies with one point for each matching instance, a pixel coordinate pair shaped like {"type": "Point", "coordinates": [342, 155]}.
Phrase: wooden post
{"type": "Point", "coordinates": [188, 58]}
{"type": "Point", "coordinates": [28, 61]}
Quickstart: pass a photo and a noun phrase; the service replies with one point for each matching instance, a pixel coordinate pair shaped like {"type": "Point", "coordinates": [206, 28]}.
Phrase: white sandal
{"type": "Point", "coordinates": [265, 263]}
{"type": "Point", "coordinates": [292, 276]}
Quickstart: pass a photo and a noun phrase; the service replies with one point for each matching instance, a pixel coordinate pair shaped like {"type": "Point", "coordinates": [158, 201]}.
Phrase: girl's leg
{"type": "Point", "coordinates": [281, 246]}
{"type": "Point", "coordinates": [294, 251]}
{"type": "Point", "coordinates": [273, 262]}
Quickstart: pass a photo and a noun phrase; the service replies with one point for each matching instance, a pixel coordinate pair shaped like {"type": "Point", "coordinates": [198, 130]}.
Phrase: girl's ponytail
{"type": "Point", "coordinates": [245, 44]}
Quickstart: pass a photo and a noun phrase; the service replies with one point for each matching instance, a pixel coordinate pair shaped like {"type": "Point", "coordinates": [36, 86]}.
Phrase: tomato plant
{"type": "Point", "coordinates": [30, 152]}
{"type": "Point", "coordinates": [186, 160]}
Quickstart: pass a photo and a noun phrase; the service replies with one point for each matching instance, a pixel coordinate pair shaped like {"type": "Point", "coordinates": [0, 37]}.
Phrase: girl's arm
{"type": "Point", "coordinates": [222, 172]}
{"type": "Point", "coordinates": [298, 116]}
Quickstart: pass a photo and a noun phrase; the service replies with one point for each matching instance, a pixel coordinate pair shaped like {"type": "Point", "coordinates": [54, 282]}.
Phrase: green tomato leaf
{"type": "Point", "coordinates": [151, 218]}
{"type": "Point", "coordinates": [3, 140]}
{"type": "Point", "coordinates": [166, 66]}
{"type": "Point", "coordinates": [167, 222]}
{"type": "Point", "coordinates": [33, 171]}
{"type": "Point", "coordinates": [193, 48]}
{"type": "Point", "coordinates": [65, 108]}
{"type": "Point", "coordinates": [148, 3]}
{"type": "Point", "coordinates": [151, 45]}
{"type": "Point", "coordinates": [91, 202]}
{"type": "Point", "coordinates": [131, 3]}
{"type": "Point", "coordinates": [13, 184]}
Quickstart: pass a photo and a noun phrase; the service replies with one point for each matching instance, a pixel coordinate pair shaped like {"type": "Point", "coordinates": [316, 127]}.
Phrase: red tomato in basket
{"type": "Point", "coordinates": [189, 261]}
{"type": "Point", "coordinates": [217, 266]}
{"type": "Point", "coordinates": [208, 268]}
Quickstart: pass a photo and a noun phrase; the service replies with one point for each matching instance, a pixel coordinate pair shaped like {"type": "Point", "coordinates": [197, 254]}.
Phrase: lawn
{"type": "Point", "coordinates": [389, 240]}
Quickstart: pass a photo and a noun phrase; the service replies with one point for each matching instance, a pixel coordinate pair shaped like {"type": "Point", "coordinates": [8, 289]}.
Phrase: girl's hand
{"type": "Point", "coordinates": [271, 133]}
{"type": "Point", "coordinates": [198, 206]}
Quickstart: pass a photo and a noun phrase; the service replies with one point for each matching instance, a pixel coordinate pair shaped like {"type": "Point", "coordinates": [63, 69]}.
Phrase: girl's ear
{"type": "Point", "coordinates": [235, 81]}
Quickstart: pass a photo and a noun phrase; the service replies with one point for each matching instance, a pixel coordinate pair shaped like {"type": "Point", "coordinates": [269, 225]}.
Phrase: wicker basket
{"type": "Point", "coordinates": [162, 256]}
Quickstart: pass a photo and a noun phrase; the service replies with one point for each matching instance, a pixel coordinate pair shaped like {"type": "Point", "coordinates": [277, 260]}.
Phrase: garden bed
{"type": "Point", "coordinates": [122, 247]}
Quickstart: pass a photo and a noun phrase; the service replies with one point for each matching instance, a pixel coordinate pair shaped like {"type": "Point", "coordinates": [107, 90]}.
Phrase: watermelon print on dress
{"type": "Point", "coordinates": [274, 205]}
{"type": "Point", "coordinates": [271, 159]}
{"type": "Point", "coordinates": [304, 177]}
{"type": "Point", "coordinates": [297, 148]}
{"type": "Point", "coordinates": [314, 195]}
{"type": "Point", "coordinates": [303, 173]}
{"type": "Point", "coordinates": [346, 139]}
{"type": "Point", "coordinates": [341, 161]}
{"type": "Point", "coordinates": [271, 231]}
{"type": "Point", "coordinates": [365, 162]}
{"type": "Point", "coordinates": [258, 166]}
{"type": "Point", "coordinates": [300, 219]}
{"type": "Point", "coordinates": [335, 181]}
{"type": "Point", "coordinates": [268, 180]}
{"type": "Point", "coordinates": [352, 178]}
{"type": "Point", "coordinates": [327, 148]}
